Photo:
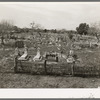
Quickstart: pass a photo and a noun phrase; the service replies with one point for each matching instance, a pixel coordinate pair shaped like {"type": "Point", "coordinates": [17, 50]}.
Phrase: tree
{"type": "Point", "coordinates": [70, 36]}
{"type": "Point", "coordinates": [82, 29]}
{"type": "Point", "coordinates": [15, 28]}
{"type": "Point", "coordinates": [45, 30]}
{"type": "Point", "coordinates": [95, 30]}
{"type": "Point", "coordinates": [5, 29]}
{"type": "Point", "coordinates": [26, 30]}
{"type": "Point", "coordinates": [35, 26]}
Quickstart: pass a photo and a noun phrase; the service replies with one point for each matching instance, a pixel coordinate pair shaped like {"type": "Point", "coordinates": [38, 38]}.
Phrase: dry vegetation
{"type": "Point", "coordinates": [89, 56]}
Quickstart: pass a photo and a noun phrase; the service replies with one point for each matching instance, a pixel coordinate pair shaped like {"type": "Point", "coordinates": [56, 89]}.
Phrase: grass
{"type": "Point", "coordinates": [9, 79]}
{"type": "Point", "coordinates": [12, 80]}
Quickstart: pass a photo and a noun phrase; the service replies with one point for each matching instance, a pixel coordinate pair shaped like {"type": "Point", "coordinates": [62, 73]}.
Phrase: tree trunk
{"type": "Point", "coordinates": [2, 40]}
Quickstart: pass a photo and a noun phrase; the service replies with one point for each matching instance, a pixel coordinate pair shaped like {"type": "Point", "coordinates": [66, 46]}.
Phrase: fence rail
{"type": "Point", "coordinates": [56, 68]}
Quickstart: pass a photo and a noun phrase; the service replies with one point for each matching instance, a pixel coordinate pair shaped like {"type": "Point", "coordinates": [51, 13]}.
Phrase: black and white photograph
{"type": "Point", "coordinates": [49, 45]}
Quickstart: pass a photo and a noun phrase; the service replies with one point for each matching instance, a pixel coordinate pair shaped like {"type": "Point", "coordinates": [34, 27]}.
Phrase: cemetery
{"type": "Point", "coordinates": [54, 62]}
{"type": "Point", "coordinates": [47, 59]}
{"type": "Point", "coordinates": [49, 45]}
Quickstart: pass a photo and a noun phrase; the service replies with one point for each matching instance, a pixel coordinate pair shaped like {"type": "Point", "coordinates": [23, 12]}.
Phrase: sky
{"type": "Point", "coordinates": [50, 15]}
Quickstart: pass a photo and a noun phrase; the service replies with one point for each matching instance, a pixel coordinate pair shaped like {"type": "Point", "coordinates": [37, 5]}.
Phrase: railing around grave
{"type": "Point", "coordinates": [86, 71]}
{"type": "Point", "coordinates": [56, 68]}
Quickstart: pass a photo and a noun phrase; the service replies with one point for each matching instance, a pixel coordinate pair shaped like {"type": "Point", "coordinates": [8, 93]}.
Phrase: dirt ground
{"type": "Point", "coordinates": [12, 80]}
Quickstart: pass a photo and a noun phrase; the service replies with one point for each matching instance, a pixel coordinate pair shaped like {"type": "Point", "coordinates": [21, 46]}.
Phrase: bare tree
{"type": "Point", "coordinates": [95, 30]}
{"type": "Point", "coordinates": [5, 29]}
{"type": "Point", "coordinates": [36, 27]}
{"type": "Point", "coordinates": [32, 25]}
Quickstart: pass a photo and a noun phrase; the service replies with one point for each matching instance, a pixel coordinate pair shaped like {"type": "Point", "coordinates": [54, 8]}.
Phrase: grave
{"type": "Point", "coordinates": [38, 56]}
{"type": "Point", "coordinates": [49, 64]}
{"type": "Point", "coordinates": [19, 44]}
{"type": "Point", "coordinates": [52, 57]}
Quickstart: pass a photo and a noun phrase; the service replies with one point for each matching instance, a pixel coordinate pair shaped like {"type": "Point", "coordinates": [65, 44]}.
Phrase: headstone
{"type": "Point", "coordinates": [71, 52]}
{"type": "Point", "coordinates": [70, 59]}
{"type": "Point", "coordinates": [25, 55]}
{"type": "Point", "coordinates": [38, 55]}
{"type": "Point", "coordinates": [16, 51]}
{"type": "Point", "coordinates": [25, 50]}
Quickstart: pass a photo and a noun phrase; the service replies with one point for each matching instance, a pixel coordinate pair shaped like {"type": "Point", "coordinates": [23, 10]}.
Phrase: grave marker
{"type": "Point", "coordinates": [19, 44]}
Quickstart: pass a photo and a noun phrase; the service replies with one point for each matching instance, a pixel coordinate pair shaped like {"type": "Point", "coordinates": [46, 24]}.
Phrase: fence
{"type": "Point", "coordinates": [56, 68]}
{"type": "Point", "coordinates": [86, 71]}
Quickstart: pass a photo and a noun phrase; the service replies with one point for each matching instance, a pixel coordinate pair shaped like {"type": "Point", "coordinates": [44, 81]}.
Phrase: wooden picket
{"type": "Point", "coordinates": [86, 71]}
{"type": "Point", "coordinates": [44, 67]}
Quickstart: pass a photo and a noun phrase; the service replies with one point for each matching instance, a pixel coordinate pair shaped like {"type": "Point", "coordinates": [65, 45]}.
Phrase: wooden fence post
{"type": "Point", "coordinates": [57, 59]}
{"type": "Point", "coordinates": [45, 66]}
{"type": "Point", "coordinates": [15, 64]}
{"type": "Point", "coordinates": [72, 69]}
